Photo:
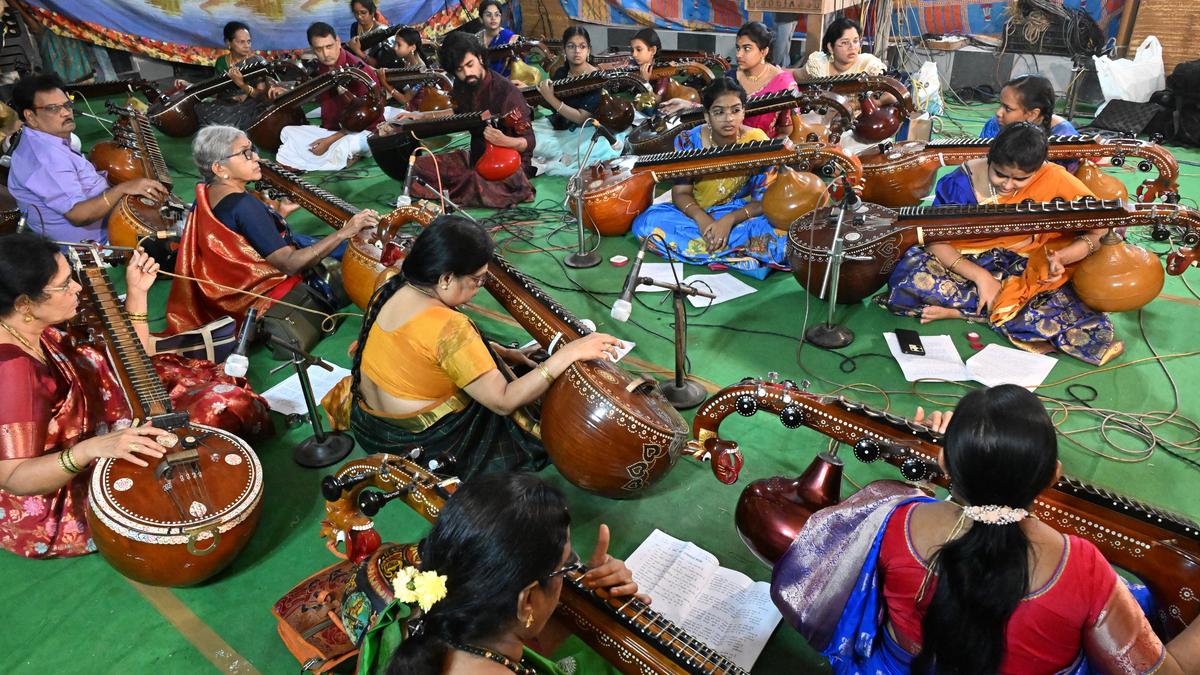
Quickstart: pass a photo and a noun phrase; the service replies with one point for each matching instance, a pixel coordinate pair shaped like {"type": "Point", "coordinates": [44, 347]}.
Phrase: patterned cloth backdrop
{"type": "Point", "coordinates": [189, 31]}
{"type": "Point", "coordinates": [910, 17]}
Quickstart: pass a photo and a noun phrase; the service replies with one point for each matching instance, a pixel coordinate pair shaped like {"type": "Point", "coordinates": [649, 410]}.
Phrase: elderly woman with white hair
{"type": "Point", "coordinates": [239, 242]}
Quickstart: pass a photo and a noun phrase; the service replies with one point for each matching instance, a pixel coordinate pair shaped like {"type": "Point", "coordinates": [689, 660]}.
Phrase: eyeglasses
{"type": "Point", "coordinates": [848, 43]}
{"type": "Point", "coordinates": [56, 108]}
{"type": "Point", "coordinates": [573, 564]}
{"type": "Point", "coordinates": [249, 153]}
{"type": "Point", "coordinates": [478, 279]}
{"type": "Point", "coordinates": [572, 47]}
{"type": "Point", "coordinates": [66, 286]}
{"type": "Point", "coordinates": [730, 112]}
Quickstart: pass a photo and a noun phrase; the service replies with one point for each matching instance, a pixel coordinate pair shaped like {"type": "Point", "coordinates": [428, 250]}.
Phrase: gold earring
{"type": "Point", "coordinates": [28, 317]}
{"type": "Point", "coordinates": [529, 620]}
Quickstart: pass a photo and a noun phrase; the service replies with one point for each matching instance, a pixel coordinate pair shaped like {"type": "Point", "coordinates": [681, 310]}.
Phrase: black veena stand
{"type": "Point", "coordinates": [324, 448]}
{"type": "Point", "coordinates": [682, 392]}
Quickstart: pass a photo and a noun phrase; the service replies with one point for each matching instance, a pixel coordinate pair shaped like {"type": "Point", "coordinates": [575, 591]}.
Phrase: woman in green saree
{"type": "Point", "coordinates": [502, 544]}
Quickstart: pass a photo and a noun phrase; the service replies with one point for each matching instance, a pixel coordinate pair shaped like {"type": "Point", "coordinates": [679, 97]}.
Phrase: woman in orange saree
{"type": "Point", "coordinates": [1017, 284]}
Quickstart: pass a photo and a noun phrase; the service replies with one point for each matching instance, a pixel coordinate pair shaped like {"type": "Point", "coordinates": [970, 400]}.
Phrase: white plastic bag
{"type": "Point", "coordinates": [927, 89]}
{"type": "Point", "coordinates": [1133, 80]}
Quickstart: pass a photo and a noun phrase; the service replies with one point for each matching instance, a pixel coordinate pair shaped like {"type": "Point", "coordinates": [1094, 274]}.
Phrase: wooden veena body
{"type": "Point", "coordinates": [375, 37]}
{"type": "Point", "coordinates": [375, 253]}
{"type": "Point", "coordinates": [606, 430]}
{"type": "Point", "coordinates": [360, 112]}
{"type": "Point", "coordinates": [903, 173]}
{"type": "Point", "coordinates": [373, 250]}
{"type": "Point", "coordinates": [184, 517]}
{"type": "Point", "coordinates": [620, 59]}
{"type": "Point", "coordinates": [876, 237]}
{"type": "Point", "coordinates": [628, 633]}
{"type": "Point", "coordinates": [658, 133]}
{"type": "Point", "coordinates": [394, 152]}
{"type": "Point", "coordinates": [617, 190]}
{"type": "Point", "coordinates": [114, 87]}
{"type": "Point", "coordinates": [1159, 547]}
{"type": "Point", "coordinates": [135, 218]}
{"type": "Point", "coordinates": [617, 115]}
{"type": "Point", "coordinates": [874, 123]}
{"type": "Point", "coordinates": [517, 49]}
{"type": "Point", "coordinates": [10, 212]}
{"type": "Point", "coordinates": [134, 153]}
{"type": "Point", "coordinates": [177, 117]}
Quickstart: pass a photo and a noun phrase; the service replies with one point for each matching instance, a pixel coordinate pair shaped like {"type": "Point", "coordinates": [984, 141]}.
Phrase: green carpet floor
{"type": "Point", "coordinates": [79, 615]}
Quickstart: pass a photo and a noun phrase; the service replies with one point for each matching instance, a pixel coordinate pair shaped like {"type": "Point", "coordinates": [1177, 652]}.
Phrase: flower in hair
{"type": "Point", "coordinates": [992, 514]}
{"type": "Point", "coordinates": [430, 588]}
{"type": "Point", "coordinates": [424, 588]}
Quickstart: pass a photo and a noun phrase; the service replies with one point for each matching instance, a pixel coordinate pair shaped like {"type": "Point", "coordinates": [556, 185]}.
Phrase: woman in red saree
{"type": "Point", "coordinates": [64, 408]}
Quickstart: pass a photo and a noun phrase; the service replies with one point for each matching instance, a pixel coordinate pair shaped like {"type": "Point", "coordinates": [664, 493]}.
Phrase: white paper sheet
{"type": "Point", "coordinates": [995, 365]}
{"type": "Point", "coordinates": [724, 285]}
{"type": "Point", "coordinates": [941, 360]}
{"type": "Point", "coordinates": [659, 272]}
{"type": "Point", "coordinates": [288, 399]}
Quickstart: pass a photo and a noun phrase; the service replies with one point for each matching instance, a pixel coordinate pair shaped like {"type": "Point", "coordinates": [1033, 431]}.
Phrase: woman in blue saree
{"type": "Point", "coordinates": [891, 581]}
{"type": "Point", "coordinates": [494, 34]}
{"type": "Point", "coordinates": [718, 221]}
{"type": "Point", "coordinates": [560, 145]}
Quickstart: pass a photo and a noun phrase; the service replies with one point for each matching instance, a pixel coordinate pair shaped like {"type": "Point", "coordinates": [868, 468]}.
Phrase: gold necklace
{"type": "Point", "coordinates": [756, 78]}
{"type": "Point", "coordinates": [35, 353]}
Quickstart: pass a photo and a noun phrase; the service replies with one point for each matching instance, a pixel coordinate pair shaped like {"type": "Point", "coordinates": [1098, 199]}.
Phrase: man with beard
{"type": "Point", "coordinates": [65, 197]}
{"type": "Point", "coordinates": [478, 89]}
{"type": "Point", "coordinates": [315, 148]}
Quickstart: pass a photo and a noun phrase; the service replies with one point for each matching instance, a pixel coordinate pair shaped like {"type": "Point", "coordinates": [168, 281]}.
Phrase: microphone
{"type": "Point", "coordinates": [850, 198]}
{"type": "Point", "coordinates": [408, 180]}
{"type": "Point", "coordinates": [623, 307]}
{"type": "Point", "coordinates": [236, 364]}
{"type": "Point", "coordinates": [602, 130]}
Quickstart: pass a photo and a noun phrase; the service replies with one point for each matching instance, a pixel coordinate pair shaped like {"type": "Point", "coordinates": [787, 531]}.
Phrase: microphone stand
{"type": "Point", "coordinates": [830, 335]}
{"type": "Point", "coordinates": [581, 259]}
{"type": "Point", "coordinates": [323, 448]}
{"type": "Point", "coordinates": [682, 392]}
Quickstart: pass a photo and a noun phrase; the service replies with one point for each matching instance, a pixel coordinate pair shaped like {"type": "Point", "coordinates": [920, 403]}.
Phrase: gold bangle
{"type": "Point", "coordinates": [104, 195]}
{"type": "Point", "coordinates": [545, 372]}
{"type": "Point", "coordinates": [70, 458]}
{"type": "Point", "coordinates": [955, 263]}
{"type": "Point", "coordinates": [66, 463]}
{"type": "Point", "coordinates": [1092, 247]}
{"type": "Point", "coordinates": [138, 316]}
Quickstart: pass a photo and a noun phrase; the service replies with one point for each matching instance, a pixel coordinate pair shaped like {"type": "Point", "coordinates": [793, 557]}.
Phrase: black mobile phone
{"type": "Point", "coordinates": [910, 342]}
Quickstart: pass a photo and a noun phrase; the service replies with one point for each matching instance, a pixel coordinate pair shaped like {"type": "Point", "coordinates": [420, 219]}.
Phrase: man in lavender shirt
{"type": "Point", "coordinates": [64, 197]}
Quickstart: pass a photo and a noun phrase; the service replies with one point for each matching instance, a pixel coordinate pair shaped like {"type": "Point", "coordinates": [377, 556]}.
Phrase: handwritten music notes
{"type": "Point", "coordinates": [723, 608]}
